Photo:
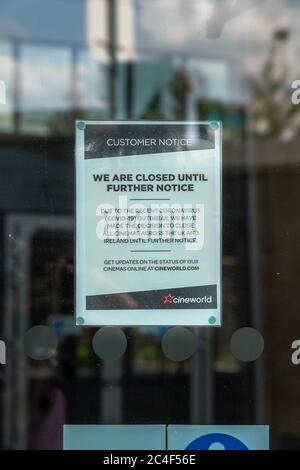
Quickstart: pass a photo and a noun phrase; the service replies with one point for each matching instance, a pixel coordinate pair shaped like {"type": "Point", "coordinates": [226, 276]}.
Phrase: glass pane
{"type": "Point", "coordinates": [68, 61]}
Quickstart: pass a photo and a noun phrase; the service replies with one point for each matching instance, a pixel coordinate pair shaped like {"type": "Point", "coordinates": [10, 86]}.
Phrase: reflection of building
{"type": "Point", "coordinates": [37, 158]}
{"type": "Point", "coordinates": [99, 29]}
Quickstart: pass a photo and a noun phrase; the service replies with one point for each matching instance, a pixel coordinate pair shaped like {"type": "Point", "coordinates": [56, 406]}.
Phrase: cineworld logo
{"type": "Point", "coordinates": [172, 299]}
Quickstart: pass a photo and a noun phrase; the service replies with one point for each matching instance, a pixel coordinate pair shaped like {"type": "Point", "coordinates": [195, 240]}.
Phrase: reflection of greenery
{"type": "Point", "coordinates": [148, 354]}
{"type": "Point", "coordinates": [153, 110]}
{"type": "Point", "coordinates": [232, 117]}
{"type": "Point", "coordinates": [272, 112]}
{"type": "Point", "coordinates": [63, 124]}
{"type": "Point", "coordinates": [180, 87]}
{"type": "Point", "coordinates": [149, 358]}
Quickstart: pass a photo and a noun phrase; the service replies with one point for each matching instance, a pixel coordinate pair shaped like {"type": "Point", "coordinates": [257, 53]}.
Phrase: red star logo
{"type": "Point", "coordinates": [168, 298]}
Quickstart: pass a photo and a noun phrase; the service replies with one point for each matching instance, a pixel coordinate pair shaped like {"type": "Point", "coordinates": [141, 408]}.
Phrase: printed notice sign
{"type": "Point", "coordinates": [148, 223]}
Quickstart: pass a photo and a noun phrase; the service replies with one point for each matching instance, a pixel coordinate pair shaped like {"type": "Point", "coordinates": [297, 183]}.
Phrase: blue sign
{"type": "Point", "coordinates": [218, 437]}
{"type": "Point", "coordinates": [217, 441]}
